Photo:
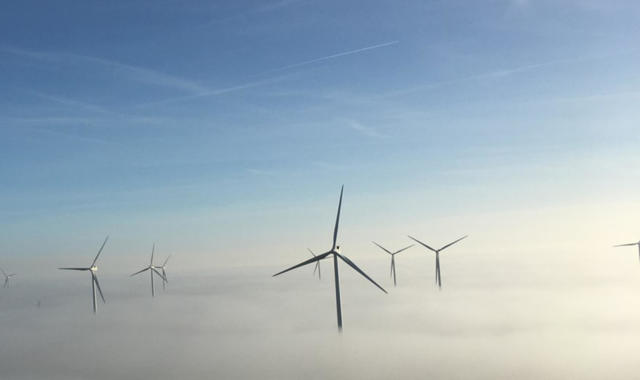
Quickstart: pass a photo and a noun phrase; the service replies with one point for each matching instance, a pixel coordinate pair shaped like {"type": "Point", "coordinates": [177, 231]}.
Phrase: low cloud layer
{"type": "Point", "coordinates": [487, 323]}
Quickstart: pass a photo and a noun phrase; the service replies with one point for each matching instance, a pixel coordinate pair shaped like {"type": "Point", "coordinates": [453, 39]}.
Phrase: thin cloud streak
{"type": "Point", "coordinates": [70, 102]}
{"type": "Point", "coordinates": [337, 55]}
{"type": "Point", "coordinates": [364, 130]}
{"type": "Point", "coordinates": [278, 5]}
{"type": "Point", "coordinates": [500, 73]}
{"type": "Point", "coordinates": [52, 132]}
{"type": "Point", "coordinates": [127, 71]}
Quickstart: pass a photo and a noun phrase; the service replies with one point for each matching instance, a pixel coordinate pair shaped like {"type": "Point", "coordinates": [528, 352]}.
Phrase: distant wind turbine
{"type": "Point", "coordinates": [629, 245]}
{"type": "Point", "coordinates": [335, 251]}
{"type": "Point", "coordinates": [437, 252]}
{"type": "Point", "coordinates": [152, 269]}
{"type": "Point", "coordinates": [6, 277]}
{"type": "Point", "coordinates": [317, 267]}
{"type": "Point", "coordinates": [164, 274]}
{"type": "Point", "coordinates": [393, 259]}
{"type": "Point", "coordinates": [94, 278]}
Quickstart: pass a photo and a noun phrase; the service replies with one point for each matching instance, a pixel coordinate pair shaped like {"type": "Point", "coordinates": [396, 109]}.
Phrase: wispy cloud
{"type": "Point", "coordinates": [257, 11]}
{"type": "Point", "coordinates": [261, 172]}
{"type": "Point", "coordinates": [278, 5]}
{"type": "Point", "coordinates": [60, 133]}
{"type": "Point", "coordinates": [126, 71]}
{"type": "Point", "coordinates": [501, 73]}
{"type": "Point", "coordinates": [133, 73]}
{"type": "Point", "coordinates": [336, 55]}
{"type": "Point", "coordinates": [216, 92]}
{"type": "Point", "coordinates": [70, 102]}
{"type": "Point", "coordinates": [364, 130]}
{"type": "Point", "coordinates": [47, 120]}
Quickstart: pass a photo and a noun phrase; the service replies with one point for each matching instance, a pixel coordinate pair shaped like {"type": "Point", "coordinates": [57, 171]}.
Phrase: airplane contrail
{"type": "Point", "coordinates": [332, 56]}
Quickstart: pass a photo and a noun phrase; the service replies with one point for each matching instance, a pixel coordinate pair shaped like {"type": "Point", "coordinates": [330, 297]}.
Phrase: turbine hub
{"type": "Point", "coordinates": [93, 268]}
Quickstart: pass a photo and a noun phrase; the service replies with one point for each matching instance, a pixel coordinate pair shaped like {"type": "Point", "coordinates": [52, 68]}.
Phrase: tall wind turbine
{"type": "Point", "coordinates": [437, 252]}
{"type": "Point", "coordinates": [317, 267]}
{"type": "Point", "coordinates": [630, 244]}
{"type": "Point", "coordinates": [393, 259]}
{"type": "Point", "coordinates": [94, 278]}
{"type": "Point", "coordinates": [152, 269]}
{"type": "Point", "coordinates": [164, 274]}
{"type": "Point", "coordinates": [335, 252]}
{"type": "Point", "coordinates": [6, 277]}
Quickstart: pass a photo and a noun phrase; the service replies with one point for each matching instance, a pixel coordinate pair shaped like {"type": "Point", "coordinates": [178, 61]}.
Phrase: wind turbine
{"type": "Point", "coordinates": [152, 269]}
{"type": "Point", "coordinates": [630, 244]}
{"type": "Point", "coordinates": [317, 267]}
{"type": "Point", "coordinates": [335, 252]}
{"type": "Point", "coordinates": [393, 259]}
{"type": "Point", "coordinates": [94, 278]}
{"type": "Point", "coordinates": [6, 277]}
{"type": "Point", "coordinates": [164, 274]}
{"type": "Point", "coordinates": [437, 252]}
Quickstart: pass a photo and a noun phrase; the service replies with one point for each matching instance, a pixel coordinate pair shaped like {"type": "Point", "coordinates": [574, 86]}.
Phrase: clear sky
{"type": "Point", "coordinates": [230, 125]}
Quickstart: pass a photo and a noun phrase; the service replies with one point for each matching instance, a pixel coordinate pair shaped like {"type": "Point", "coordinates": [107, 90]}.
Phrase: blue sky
{"type": "Point", "coordinates": [202, 124]}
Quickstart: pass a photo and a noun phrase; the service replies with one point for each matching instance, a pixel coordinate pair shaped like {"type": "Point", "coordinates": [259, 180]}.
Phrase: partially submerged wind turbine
{"type": "Point", "coordinates": [437, 252]}
{"type": "Point", "coordinates": [630, 244]}
{"type": "Point", "coordinates": [317, 266]}
{"type": "Point", "coordinates": [393, 259]}
{"type": "Point", "coordinates": [6, 277]}
{"type": "Point", "coordinates": [94, 278]}
{"type": "Point", "coordinates": [152, 269]}
{"type": "Point", "coordinates": [164, 274]}
{"type": "Point", "coordinates": [335, 251]}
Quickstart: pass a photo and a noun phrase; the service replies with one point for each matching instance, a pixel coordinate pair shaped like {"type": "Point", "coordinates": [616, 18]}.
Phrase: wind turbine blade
{"type": "Point", "coordinates": [153, 249]}
{"type": "Point", "coordinates": [311, 252]}
{"type": "Point", "coordinates": [166, 261]}
{"type": "Point", "coordinates": [100, 250]}
{"type": "Point", "coordinates": [95, 279]}
{"type": "Point", "coordinates": [335, 230]}
{"type": "Point", "coordinates": [74, 268]}
{"type": "Point", "coordinates": [625, 245]}
{"type": "Point", "coordinates": [164, 274]}
{"type": "Point", "coordinates": [394, 271]}
{"type": "Point", "coordinates": [403, 249]}
{"type": "Point", "coordinates": [140, 271]}
{"type": "Point", "coordinates": [355, 267]}
{"type": "Point", "coordinates": [452, 243]}
{"type": "Point", "coordinates": [311, 260]}
{"type": "Point", "coordinates": [159, 274]}
{"type": "Point", "coordinates": [391, 268]}
{"type": "Point", "coordinates": [421, 243]}
{"type": "Point", "coordinates": [3, 272]}
{"type": "Point", "coordinates": [315, 268]}
{"type": "Point", "coordinates": [382, 248]}
{"type": "Point", "coordinates": [93, 295]}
